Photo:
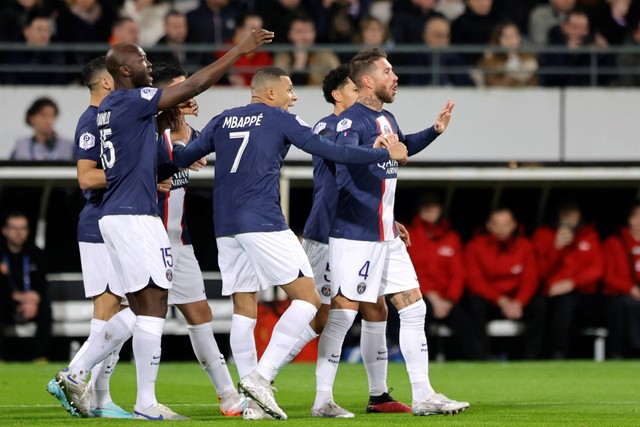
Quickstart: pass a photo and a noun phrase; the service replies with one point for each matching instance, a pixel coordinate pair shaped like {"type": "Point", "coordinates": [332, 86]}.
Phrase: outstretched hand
{"type": "Point", "coordinates": [254, 40]}
{"type": "Point", "coordinates": [444, 117]}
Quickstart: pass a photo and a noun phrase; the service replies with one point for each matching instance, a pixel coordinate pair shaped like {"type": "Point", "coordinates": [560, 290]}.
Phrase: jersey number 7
{"type": "Point", "coordinates": [245, 140]}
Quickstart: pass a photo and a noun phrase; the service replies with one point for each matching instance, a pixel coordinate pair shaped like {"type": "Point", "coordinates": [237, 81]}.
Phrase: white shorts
{"type": "Point", "coordinates": [318, 254]}
{"type": "Point", "coordinates": [250, 262]}
{"type": "Point", "coordinates": [188, 284]}
{"type": "Point", "coordinates": [98, 274]}
{"type": "Point", "coordinates": [362, 271]}
{"type": "Point", "coordinates": [139, 249]}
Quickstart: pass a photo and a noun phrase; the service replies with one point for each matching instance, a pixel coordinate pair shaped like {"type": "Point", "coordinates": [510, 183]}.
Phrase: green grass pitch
{"type": "Point", "coordinates": [570, 393]}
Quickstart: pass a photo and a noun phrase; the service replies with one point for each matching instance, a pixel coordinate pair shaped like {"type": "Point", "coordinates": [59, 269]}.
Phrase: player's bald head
{"type": "Point", "coordinates": [120, 55]}
{"type": "Point", "coordinates": [265, 78]}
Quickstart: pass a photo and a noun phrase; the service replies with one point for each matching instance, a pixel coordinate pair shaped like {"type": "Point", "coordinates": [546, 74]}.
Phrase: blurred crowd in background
{"type": "Point", "coordinates": [430, 42]}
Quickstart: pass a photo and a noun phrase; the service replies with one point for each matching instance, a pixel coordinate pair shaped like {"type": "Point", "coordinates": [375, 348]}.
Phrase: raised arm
{"type": "Point", "coordinates": [206, 77]}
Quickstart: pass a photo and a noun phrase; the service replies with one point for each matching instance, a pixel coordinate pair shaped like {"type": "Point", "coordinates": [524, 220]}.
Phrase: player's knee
{"type": "Point", "coordinates": [314, 299]}
{"type": "Point", "coordinates": [377, 312]}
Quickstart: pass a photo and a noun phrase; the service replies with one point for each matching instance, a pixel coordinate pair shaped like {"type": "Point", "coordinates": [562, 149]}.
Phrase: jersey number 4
{"type": "Point", "coordinates": [245, 140]}
{"type": "Point", "coordinates": [107, 152]}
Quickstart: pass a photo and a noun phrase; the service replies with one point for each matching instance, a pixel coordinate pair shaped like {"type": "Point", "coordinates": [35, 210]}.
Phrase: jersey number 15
{"type": "Point", "coordinates": [107, 152]}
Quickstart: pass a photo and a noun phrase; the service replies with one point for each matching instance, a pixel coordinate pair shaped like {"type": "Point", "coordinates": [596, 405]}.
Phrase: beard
{"type": "Point", "coordinates": [383, 95]}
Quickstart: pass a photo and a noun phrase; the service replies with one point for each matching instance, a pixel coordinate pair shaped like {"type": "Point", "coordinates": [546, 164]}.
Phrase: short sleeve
{"type": "Point", "coordinates": [88, 145]}
{"type": "Point", "coordinates": [296, 130]}
{"type": "Point", "coordinates": [143, 101]}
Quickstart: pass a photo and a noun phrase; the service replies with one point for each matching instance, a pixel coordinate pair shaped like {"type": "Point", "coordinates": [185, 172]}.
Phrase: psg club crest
{"type": "Point", "coordinates": [326, 290]}
{"type": "Point", "coordinates": [362, 286]}
{"type": "Point", "coordinates": [169, 274]}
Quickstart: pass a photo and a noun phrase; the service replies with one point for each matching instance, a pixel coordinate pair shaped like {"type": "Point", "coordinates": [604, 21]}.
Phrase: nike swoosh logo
{"type": "Point", "coordinates": [71, 379]}
{"type": "Point", "coordinates": [158, 357]}
{"type": "Point", "coordinates": [382, 352]}
{"type": "Point", "coordinates": [335, 355]}
{"type": "Point", "coordinates": [424, 344]}
{"type": "Point", "coordinates": [158, 418]}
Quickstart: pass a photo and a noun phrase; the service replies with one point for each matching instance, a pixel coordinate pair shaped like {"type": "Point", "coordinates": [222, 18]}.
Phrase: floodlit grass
{"type": "Point", "coordinates": [571, 393]}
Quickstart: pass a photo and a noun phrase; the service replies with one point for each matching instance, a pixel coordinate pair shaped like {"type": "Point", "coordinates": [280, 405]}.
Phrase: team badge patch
{"type": "Point", "coordinates": [148, 92]}
{"type": "Point", "coordinates": [86, 141]}
{"type": "Point", "coordinates": [319, 127]}
{"type": "Point", "coordinates": [362, 286]}
{"type": "Point", "coordinates": [169, 274]}
{"type": "Point", "coordinates": [326, 290]}
{"type": "Point", "coordinates": [343, 125]}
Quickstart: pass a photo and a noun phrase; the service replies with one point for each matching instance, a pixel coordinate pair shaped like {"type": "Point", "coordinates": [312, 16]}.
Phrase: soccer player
{"type": "Point", "coordinates": [367, 256]}
{"type": "Point", "coordinates": [188, 293]}
{"type": "Point", "coordinates": [257, 249]}
{"type": "Point", "coordinates": [136, 240]}
{"type": "Point", "coordinates": [339, 90]}
{"type": "Point", "coordinates": [99, 278]}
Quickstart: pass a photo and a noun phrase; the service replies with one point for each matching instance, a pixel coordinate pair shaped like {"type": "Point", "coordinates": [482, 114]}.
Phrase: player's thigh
{"type": "Point", "coordinates": [277, 257]}
{"type": "Point", "coordinates": [187, 283]}
{"type": "Point", "coordinates": [98, 273]}
{"type": "Point", "coordinates": [356, 268]}
{"type": "Point", "coordinates": [318, 254]}
{"type": "Point", "coordinates": [399, 274]}
{"type": "Point", "coordinates": [238, 275]}
{"type": "Point", "coordinates": [139, 248]}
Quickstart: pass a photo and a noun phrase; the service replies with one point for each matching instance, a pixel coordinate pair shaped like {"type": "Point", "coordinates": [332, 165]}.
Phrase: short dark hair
{"type": "Point", "coordinates": [362, 63]}
{"type": "Point", "coordinates": [335, 80]}
{"type": "Point", "coordinates": [91, 71]}
{"type": "Point", "coordinates": [241, 20]}
{"type": "Point", "coordinates": [429, 199]}
{"type": "Point", "coordinates": [14, 214]}
{"type": "Point", "coordinates": [173, 12]}
{"type": "Point", "coordinates": [38, 105]}
{"type": "Point", "coordinates": [164, 72]}
{"type": "Point", "coordinates": [302, 17]}
{"type": "Point", "coordinates": [266, 74]}
{"type": "Point", "coordinates": [36, 13]}
{"type": "Point", "coordinates": [120, 21]}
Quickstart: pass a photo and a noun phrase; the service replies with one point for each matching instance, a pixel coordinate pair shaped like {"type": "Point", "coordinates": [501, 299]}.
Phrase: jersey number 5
{"type": "Point", "coordinates": [245, 140]}
{"type": "Point", "coordinates": [107, 152]}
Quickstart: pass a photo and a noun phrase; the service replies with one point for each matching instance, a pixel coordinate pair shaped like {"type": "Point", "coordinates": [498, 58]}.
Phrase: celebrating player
{"type": "Point", "coordinates": [98, 276]}
{"type": "Point", "coordinates": [188, 293]}
{"type": "Point", "coordinates": [257, 249]}
{"type": "Point", "coordinates": [136, 240]}
{"type": "Point", "coordinates": [340, 91]}
{"type": "Point", "coordinates": [367, 256]}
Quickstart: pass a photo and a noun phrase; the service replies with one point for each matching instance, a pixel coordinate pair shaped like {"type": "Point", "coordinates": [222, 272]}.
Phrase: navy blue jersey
{"type": "Point", "coordinates": [250, 143]}
{"type": "Point", "coordinates": [366, 193]}
{"type": "Point", "coordinates": [171, 205]}
{"type": "Point", "coordinates": [128, 138]}
{"type": "Point", "coordinates": [325, 190]}
{"type": "Point", "coordinates": [87, 139]}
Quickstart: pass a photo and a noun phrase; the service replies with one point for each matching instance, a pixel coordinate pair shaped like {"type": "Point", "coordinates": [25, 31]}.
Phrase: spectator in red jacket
{"type": "Point", "coordinates": [436, 252]}
{"type": "Point", "coordinates": [570, 266]}
{"type": "Point", "coordinates": [503, 282]}
{"type": "Point", "coordinates": [622, 287]}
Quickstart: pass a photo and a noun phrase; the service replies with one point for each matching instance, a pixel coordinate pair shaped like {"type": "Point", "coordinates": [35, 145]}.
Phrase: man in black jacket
{"type": "Point", "coordinates": [23, 286]}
